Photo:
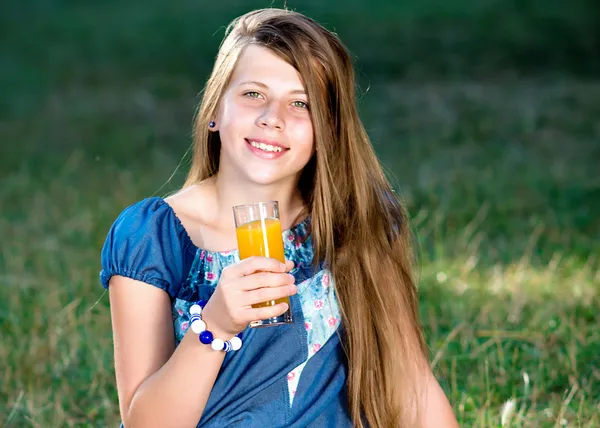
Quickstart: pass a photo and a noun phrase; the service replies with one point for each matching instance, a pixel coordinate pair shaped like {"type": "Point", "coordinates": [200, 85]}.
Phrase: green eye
{"type": "Point", "coordinates": [252, 94]}
{"type": "Point", "coordinates": [300, 104]}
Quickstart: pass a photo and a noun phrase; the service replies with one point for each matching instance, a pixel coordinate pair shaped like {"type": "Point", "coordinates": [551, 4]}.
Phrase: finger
{"type": "Point", "coordinates": [265, 279]}
{"type": "Point", "coordinates": [266, 312]}
{"type": "Point", "coordinates": [267, 294]}
{"type": "Point", "coordinates": [253, 264]}
{"type": "Point", "coordinates": [289, 265]}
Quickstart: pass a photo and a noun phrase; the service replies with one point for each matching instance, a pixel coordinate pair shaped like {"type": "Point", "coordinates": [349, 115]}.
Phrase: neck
{"type": "Point", "coordinates": [231, 191]}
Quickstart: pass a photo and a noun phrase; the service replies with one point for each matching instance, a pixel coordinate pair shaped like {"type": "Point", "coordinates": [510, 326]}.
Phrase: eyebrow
{"type": "Point", "coordinates": [262, 85]}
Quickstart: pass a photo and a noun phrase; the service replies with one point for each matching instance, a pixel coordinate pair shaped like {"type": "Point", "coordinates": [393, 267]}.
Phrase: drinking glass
{"type": "Point", "coordinates": [258, 231]}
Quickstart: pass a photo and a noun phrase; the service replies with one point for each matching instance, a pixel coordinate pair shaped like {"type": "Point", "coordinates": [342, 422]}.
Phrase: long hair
{"type": "Point", "coordinates": [359, 227]}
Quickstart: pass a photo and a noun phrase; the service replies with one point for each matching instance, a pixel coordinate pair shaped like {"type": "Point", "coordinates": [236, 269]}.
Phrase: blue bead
{"type": "Point", "coordinates": [206, 337]}
{"type": "Point", "coordinates": [202, 303]}
{"type": "Point", "coordinates": [239, 335]}
{"type": "Point", "coordinates": [227, 347]}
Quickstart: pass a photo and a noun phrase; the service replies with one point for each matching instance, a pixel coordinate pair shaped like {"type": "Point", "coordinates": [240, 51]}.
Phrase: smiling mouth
{"type": "Point", "coordinates": [266, 147]}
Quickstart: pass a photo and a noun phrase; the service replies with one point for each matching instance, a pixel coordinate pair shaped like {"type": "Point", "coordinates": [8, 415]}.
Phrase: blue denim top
{"type": "Point", "coordinates": [284, 376]}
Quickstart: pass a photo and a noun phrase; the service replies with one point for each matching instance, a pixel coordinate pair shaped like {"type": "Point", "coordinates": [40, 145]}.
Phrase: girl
{"type": "Point", "coordinates": [278, 121]}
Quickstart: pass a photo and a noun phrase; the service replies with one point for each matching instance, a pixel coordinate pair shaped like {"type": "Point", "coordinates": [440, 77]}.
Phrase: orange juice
{"type": "Point", "coordinates": [253, 242]}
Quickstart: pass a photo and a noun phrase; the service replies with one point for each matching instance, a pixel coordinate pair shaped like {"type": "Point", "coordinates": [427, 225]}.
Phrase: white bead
{"type": "Point", "coordinates": [195, 309]}
{"type": "Point", "coordinates": [198, 326]}
{"type": "Point", "coordinates": [236, 343]}
{"type": "Point", "coordinates": [217, 344]}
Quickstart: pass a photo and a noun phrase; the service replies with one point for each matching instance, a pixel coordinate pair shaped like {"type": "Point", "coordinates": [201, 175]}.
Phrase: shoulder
{"type": "Point", "coordinates": [186, 202]}
{"type": "Point", "coordinates": [147, 242]}
{"type": "Point", "coordinates": [194, 202]}
{"type": "Point", "coordinates": [146, 212]}
{"type": "Point", "coordinates": [196, 208]}
{"type": "Point", "coordinates": [150, 217]}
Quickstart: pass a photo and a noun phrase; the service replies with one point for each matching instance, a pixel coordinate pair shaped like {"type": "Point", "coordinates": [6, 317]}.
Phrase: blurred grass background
{"type": "Point", "coordinates": [484, 113]}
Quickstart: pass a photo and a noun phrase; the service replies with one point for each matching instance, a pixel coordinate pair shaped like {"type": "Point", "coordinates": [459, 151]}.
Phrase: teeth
{"type": "Point", "coordinates": [265, 147]}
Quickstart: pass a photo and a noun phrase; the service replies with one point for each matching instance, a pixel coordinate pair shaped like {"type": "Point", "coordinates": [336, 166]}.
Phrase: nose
{"type": "Point", "coordinates": [271, 117]}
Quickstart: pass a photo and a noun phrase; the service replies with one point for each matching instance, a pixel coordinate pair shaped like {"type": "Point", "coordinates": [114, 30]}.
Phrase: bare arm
{"type": "Point", "coordinates": [435, 411]}
{"type": "Point", "coordinates": [160, 386]}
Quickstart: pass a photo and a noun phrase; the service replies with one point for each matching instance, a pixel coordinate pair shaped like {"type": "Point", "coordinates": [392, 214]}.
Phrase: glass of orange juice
{"type": "Point", "coordinates": [258, 230]}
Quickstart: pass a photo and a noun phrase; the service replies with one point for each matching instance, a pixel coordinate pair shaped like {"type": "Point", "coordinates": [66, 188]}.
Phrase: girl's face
{"type": "Point", "coordinates": [263, 119]}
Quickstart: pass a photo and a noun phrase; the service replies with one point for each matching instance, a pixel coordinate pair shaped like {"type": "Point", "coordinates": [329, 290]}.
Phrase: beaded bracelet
{"type": "Point", "coordinates": [199, 327]}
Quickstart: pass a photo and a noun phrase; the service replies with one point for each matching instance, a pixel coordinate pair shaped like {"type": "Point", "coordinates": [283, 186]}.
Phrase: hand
{"type": "Point", "coordinates": [251, 281]}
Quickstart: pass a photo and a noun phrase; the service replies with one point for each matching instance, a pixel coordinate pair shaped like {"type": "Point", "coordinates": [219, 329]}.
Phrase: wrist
{"type": "Point", "coordinates": [212, 323]}
{"type": "Point", "coordinates": [218, 338]}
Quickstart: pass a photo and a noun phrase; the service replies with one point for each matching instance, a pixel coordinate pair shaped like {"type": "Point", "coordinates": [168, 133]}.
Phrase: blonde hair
{"type": "Point", "coordinates": [359, 227]}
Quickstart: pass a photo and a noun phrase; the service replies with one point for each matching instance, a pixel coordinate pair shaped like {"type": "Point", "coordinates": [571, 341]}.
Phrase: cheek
{"type": "Point", "coordinates": [234, 119]}
{"type": "Point", "coordinates": [230, 114]}
{"type": "Point", "coordinates": [303, 133]}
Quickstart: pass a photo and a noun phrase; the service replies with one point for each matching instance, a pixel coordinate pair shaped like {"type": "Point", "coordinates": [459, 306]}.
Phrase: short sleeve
{"type": "Point", "coordinates": [147, 242]}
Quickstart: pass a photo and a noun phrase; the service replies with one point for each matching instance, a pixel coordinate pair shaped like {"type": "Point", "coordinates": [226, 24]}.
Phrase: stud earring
{"type": "Point", "coordinates": [211, 124]}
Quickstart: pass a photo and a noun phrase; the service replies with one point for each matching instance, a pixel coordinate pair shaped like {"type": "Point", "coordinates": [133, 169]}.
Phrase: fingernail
{"type": "Point", "coordinates": [283, 266]}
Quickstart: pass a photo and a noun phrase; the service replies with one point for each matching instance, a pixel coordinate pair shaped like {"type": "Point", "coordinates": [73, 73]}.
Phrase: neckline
{"type": "Point", "coordinates": [292, 230]}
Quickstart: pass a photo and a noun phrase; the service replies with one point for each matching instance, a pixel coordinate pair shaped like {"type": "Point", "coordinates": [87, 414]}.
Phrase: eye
{"type": "Point", "coordinates": [300, 104]}
{"type": "Point", "coordinates": [252, 94]}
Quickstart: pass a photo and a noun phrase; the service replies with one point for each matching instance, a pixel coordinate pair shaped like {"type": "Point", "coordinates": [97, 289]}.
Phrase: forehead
{"type": "Point", "coordinates": [257, 63]}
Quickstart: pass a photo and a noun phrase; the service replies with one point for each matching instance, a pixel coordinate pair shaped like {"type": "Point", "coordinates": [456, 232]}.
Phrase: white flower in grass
{"type": "Point", "coordinates": [508, 411]}
{"type": "Point", "coordinates": [441, 277]}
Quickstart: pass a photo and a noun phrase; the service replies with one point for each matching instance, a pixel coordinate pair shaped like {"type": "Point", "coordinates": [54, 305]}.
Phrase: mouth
{"type": "Point", "coordinates": [266, 146]}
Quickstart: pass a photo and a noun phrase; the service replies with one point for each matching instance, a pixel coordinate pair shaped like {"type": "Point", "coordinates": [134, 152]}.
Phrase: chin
{"type": "Point", "coordinates": [263, 180]}
{"type": "Point", "coordinates": [267, 179]}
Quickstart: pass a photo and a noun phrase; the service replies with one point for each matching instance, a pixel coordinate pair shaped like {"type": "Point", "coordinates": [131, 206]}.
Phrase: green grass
{"type": "Point", "coordinates": [500, 177]}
